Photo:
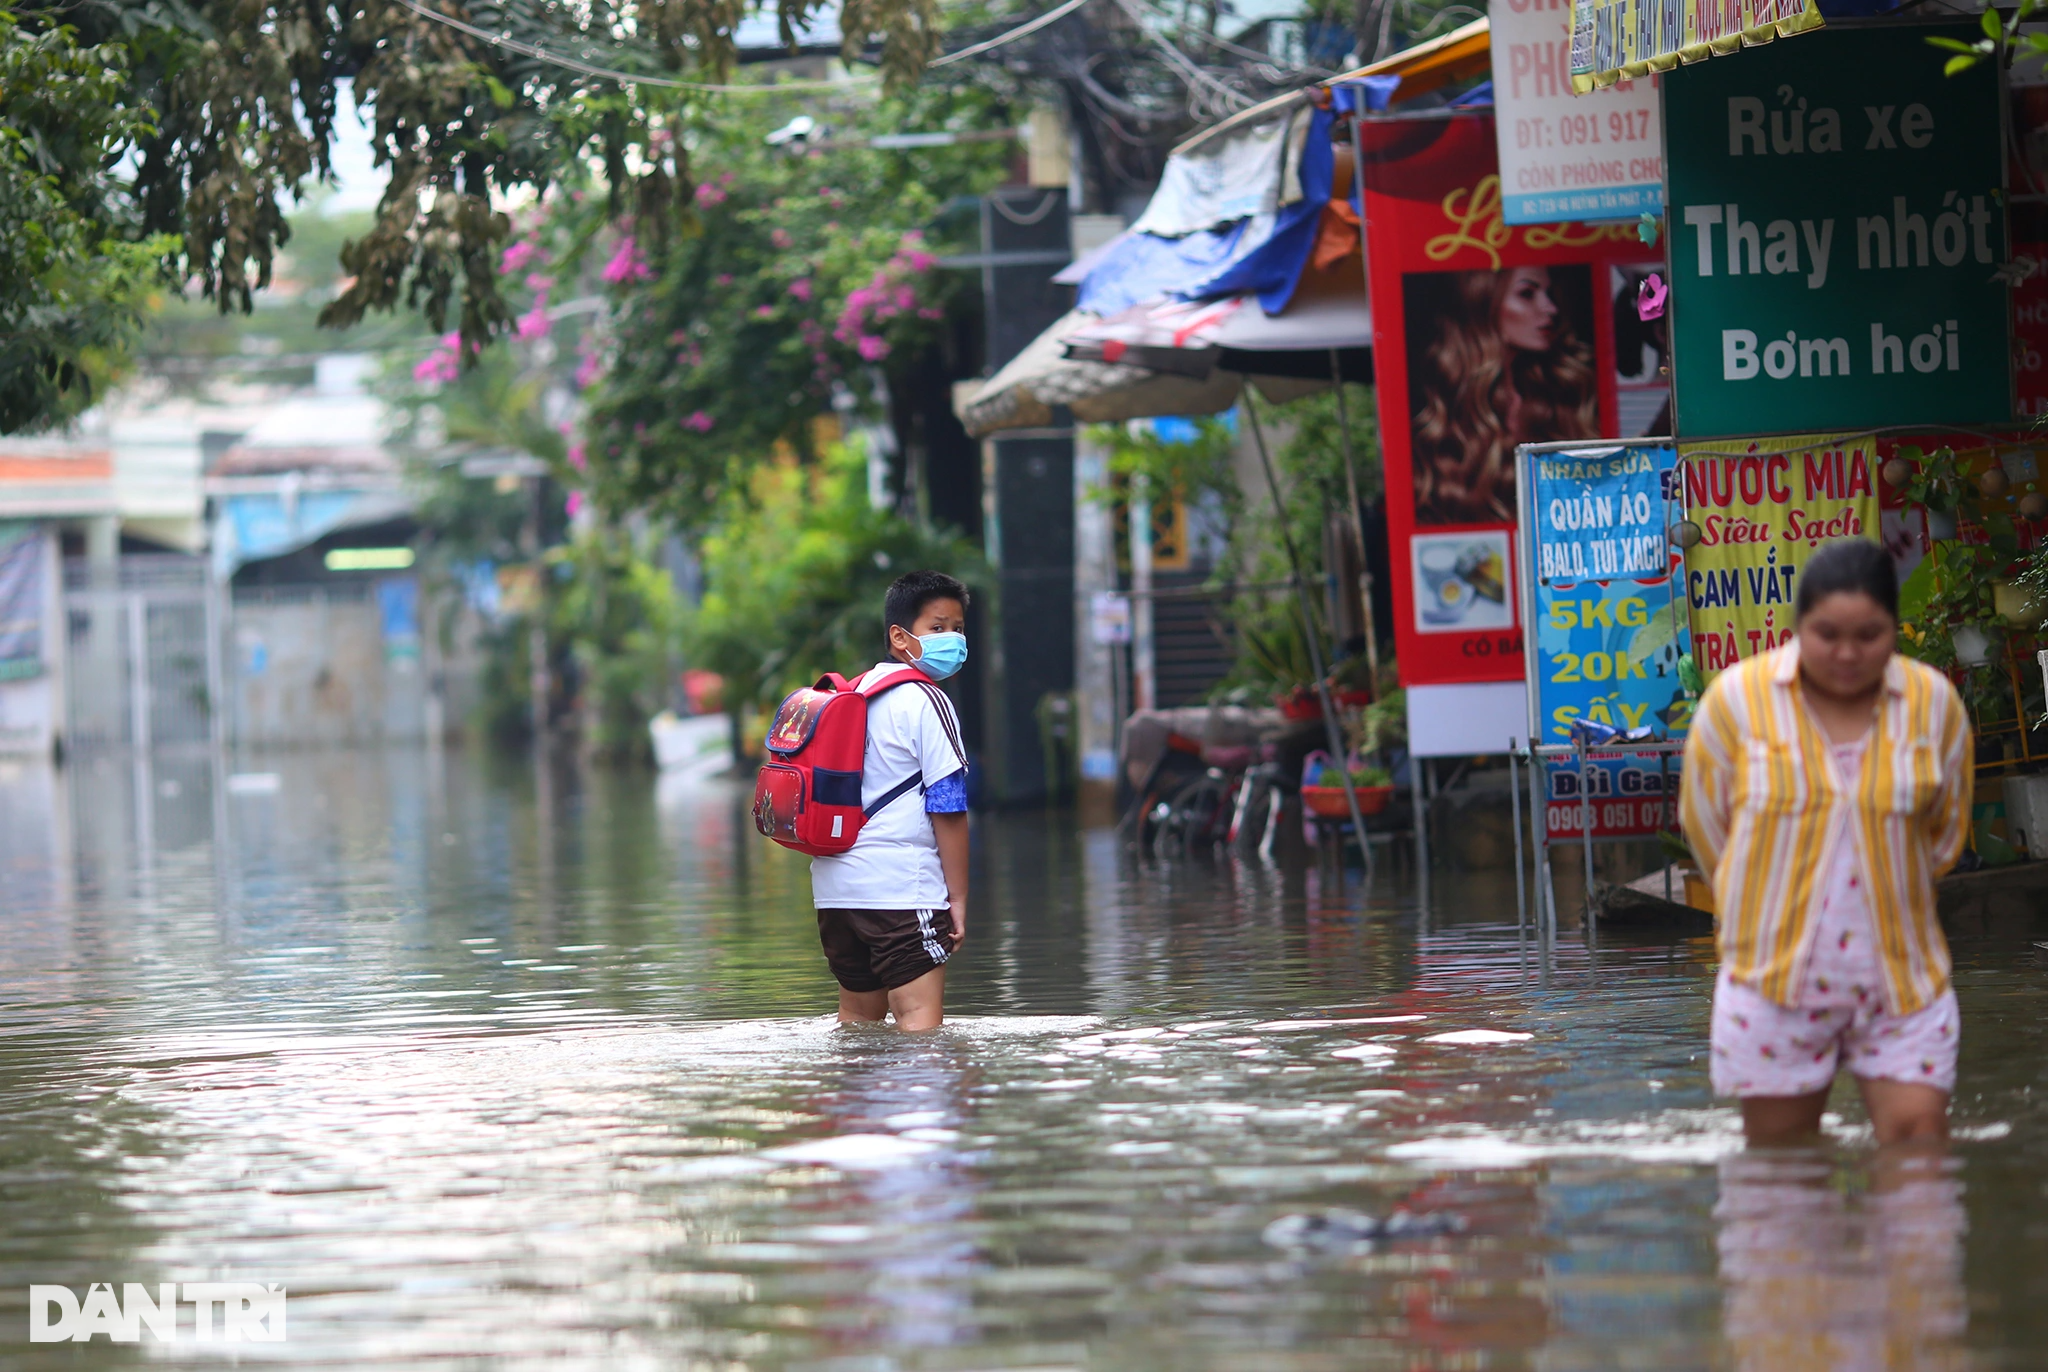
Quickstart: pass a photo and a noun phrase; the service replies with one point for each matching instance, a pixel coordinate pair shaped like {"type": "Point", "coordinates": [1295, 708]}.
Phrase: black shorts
{"type": "Point", "coordinates": [880, 950]}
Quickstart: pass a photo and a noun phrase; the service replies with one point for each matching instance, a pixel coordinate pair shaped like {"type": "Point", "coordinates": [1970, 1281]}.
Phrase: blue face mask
{"type": "Point", "coordinates": [944, 654]}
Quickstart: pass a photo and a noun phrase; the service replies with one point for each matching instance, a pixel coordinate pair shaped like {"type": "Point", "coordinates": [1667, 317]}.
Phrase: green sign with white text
{"type": "Point", "coordinates": [1836, 211]}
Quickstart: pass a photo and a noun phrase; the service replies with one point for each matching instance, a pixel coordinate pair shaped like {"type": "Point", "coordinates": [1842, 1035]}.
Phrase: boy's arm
{"type": "Point", "coordinates": [944, 761]}
{"type": "Point", "coordinates": [951, 832]}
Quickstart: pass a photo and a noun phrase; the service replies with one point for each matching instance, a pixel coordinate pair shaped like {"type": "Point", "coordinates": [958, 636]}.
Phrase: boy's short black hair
{"type": "Point", "coordinates": [1855, 565]}
{"type": "Point", "coordinates": [911, 592]}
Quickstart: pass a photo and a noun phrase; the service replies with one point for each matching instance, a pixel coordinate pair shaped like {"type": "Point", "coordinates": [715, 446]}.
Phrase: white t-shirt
{"type": "Point", "coordinates": [894, 864]}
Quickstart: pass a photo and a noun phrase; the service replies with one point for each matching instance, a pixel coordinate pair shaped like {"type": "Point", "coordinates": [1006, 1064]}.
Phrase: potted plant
{"type": "Point", "coordinates": [1322, 793]}
{"type": "Point", "coordinates": [1956, 607]}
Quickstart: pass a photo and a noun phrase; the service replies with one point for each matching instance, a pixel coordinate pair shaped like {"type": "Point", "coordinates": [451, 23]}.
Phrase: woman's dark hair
{"type": "Point", "coordinates": [1854, 565]}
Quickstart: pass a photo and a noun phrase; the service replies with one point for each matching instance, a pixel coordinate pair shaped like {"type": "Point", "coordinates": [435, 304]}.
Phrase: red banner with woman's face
{"type": "Point", "coordinates": [1486, 336]}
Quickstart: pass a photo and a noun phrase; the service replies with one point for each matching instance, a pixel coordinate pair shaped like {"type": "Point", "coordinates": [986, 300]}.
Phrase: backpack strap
{"type": "Point", "coordinates": [915, 781]}
{"type": "Point", "coordinates": [871, 687]}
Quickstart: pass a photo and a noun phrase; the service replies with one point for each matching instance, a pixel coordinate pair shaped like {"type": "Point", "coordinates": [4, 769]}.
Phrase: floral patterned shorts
{"type": "Point", "coordinates": [1765, 1049]}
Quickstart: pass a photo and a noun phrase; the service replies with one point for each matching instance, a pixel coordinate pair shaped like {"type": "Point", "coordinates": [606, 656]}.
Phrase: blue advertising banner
{"type": "Point", "coordinates": [21, 601]}
{"type": "Point", "coordinates": [1610, 625]}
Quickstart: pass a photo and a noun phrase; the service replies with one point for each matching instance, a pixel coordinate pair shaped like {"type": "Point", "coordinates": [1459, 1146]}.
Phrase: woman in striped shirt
{"type": "Point", "coordinates": [1826, 786]}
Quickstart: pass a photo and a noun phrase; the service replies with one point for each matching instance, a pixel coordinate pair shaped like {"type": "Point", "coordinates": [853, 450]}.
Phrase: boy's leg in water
{"type": "Point", "coordinates": [1905, 1111]}
{"type": "Point", "coordinates": [862, 1007]}
{"type": "Point", "coordinates": [1769, 1121]}
{"type": "Point", "coordinates": [920, 1004]}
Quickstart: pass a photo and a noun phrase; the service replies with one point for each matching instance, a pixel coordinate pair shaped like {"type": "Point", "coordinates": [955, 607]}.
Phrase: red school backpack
{"type": "Point", "coordinates": [807, 796]}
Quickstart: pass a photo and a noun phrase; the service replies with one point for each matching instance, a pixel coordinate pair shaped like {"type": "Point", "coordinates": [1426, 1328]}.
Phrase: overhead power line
{"type": "Point", "coordinates": [1023, 30]}
{"type": "Point", "coordinates": [540, 54]}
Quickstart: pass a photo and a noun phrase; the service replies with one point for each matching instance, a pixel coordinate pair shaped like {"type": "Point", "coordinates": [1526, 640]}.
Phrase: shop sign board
{"type": "Point", "coordinates": [1836, 213]}
{"type": "Point", "coordinates": [1605, 599]}
{"type": "Point", "coordinates": [1763, 507]}
{"type": "Point", "coordinates": [1603, 575]}
{"type": "Point", "coordinates": [1615, 40]}
{"type": "Point", "coordinates": [1564, 156]}
{"type": "Point", "coordinates": [1628, 795]}
{"type": "Point", "coordinates": [21, 600]}
{"type": "Point", "coordinates": [1486, 336]}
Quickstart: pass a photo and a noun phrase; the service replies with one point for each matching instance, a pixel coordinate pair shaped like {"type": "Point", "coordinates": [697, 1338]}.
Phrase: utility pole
{"type": "Point", "coordinates": [537, 632]}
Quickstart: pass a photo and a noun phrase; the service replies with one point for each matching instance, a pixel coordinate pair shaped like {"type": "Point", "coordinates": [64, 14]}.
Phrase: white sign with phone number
{"type": "Point", "coordinates": [1564, 156]}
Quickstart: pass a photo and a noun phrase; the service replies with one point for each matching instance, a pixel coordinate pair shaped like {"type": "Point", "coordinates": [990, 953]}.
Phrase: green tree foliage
{"type": "Point", "coordinates": [1219, 468]}
{"type": "Point", "coordinates": [1197, 470]}
{"type": "Point", "coordinates": [807, 274]}
{"type": "Point", "coordinates": [73, 292]}
{"type": "Point", "coordinates": [230, 105]}
{"type": "Point", "coordinates": [618, 613]}
{"type": "Point", "coordinates": [794, 576]}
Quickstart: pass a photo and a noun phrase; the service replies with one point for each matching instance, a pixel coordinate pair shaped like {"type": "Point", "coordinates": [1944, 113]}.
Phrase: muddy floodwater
{"type": "Point", "coordinates": [492, 1068]}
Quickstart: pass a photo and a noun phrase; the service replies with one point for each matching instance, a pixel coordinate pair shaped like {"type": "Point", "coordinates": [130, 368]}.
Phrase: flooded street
{"type": "Point", "coordinates": [493, 1069]}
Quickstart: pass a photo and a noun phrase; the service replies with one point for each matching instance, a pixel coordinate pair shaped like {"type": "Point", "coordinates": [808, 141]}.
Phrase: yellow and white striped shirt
{"type": "Point", "coordinates": [1761, 805]}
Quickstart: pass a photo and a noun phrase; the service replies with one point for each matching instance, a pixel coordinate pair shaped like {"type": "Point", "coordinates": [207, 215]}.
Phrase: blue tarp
{"type": "Point", "coordinates": [1144, 267]}
{"type": "Point", "coordinates": [1261, 255]}
{"type": "Point", "coordinates": [249, 528]}
{"type": "Point", "coordinates": [1271, 269]}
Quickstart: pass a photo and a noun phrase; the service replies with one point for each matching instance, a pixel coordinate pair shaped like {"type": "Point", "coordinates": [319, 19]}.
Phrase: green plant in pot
{"type": "Point", "coordinates": [1950, 607]}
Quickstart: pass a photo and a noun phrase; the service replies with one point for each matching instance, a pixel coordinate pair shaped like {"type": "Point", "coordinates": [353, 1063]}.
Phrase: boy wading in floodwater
{"type": "Point", "coordinates": [893, 908]}
{"type": "Point", "coordinates": [1827, 785]}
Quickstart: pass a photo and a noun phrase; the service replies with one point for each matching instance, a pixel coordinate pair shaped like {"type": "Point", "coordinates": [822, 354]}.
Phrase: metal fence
{"type": "Point", "coordinates": [136, 653]}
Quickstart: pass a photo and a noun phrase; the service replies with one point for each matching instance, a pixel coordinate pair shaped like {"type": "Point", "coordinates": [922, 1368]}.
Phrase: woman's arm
{"type": "Point", "coordinates": [1948, 816]}
{"type": "Point", "coordinates": [1706, 784]}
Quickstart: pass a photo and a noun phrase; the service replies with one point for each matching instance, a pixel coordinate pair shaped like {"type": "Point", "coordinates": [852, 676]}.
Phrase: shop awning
{"type": "Point", "coordinates": [1027, 391]}
{"type": "Point", "coordinates": [1194, 339]}
{"type": "Point", "coordinates": [1174, 357]}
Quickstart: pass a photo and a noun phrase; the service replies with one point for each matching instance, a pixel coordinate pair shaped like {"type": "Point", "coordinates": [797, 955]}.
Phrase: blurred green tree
{"type": "Point", "coordinates": [223, 111]}
{"type": "Point", "coordinates": [794, 575]}
{"type": "Point", "coordinates": [75, 282]}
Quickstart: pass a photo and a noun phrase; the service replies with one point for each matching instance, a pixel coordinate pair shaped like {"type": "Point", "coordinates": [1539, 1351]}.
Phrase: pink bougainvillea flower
{"type": "Point", "coordinates": [588, 371]}
{"type": "Point", "coordinates": [679, 337]}
{"type": "Point", "coordinates": [700, 421]}
{"type": "Point", "coordinates": [723, 279]}
{"type": "Point", "coordinates": [626, 265]}
{"type": "Point", "coordinates": [577, 458]}
{"type": "Point", "coordinates": [872, 349]}
{"type": "Point", "coordinates": [780, 238]}
{"type": "Point", "coordinates": [444, 363]}
{"type": "Point", "coordinates": [534, 323]}
{"type": "Point", "coordinates": [920, 261]}
{"type": "Point", "coordinates": [801, 288]}
{"type": "Point", "coordinates": [518, 255]}
{"type": "Point", "coordinates": [436, 367]}
{"type": "Point", "coordinates": [574, 504]}
{"type": "Point", "coordinates": [710, 196]}
{"type": "Point", "coordinates": [928, 312]}
{"type": "Point", "coordinates": [538, 282]}
{"type": "Point", "coordinates": [764, 311]}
